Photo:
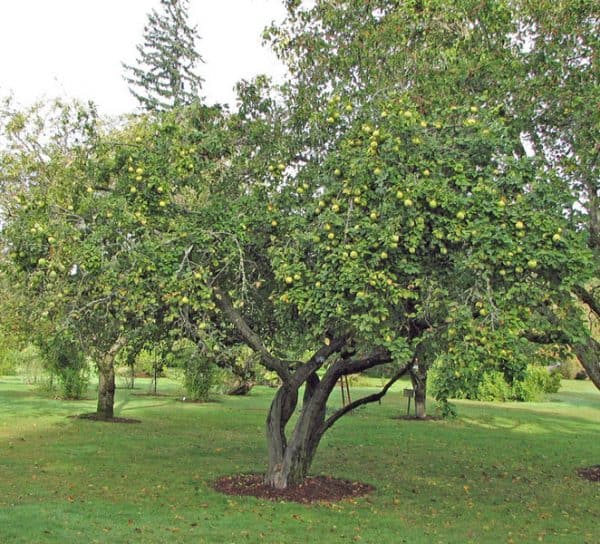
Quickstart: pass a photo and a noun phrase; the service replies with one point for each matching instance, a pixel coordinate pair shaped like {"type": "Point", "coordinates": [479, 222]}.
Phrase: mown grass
{"type": "Point", "coordinates": [498, 473]}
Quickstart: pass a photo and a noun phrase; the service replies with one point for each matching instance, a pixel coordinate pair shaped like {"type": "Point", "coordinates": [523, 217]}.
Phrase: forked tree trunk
{"type": "Point", "coordinates": [290, 461]}
{"type": "Point", "coordinates": [289, 466]}
{"type": "Point", "coordinates": [106, 381]}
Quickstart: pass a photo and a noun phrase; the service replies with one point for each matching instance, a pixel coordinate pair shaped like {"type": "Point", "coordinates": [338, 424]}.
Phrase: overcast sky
{"type": "Point", "coordinates": [74, 48]}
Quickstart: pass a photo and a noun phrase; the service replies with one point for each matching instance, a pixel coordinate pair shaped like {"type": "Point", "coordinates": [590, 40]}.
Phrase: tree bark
{"type": "Point", "coordinates": [588, 354]}
{"type": "Point", "coordinates": [290, 460]}
{"type": "Point", "coordinates": [418, 377]}
{"type": "Point", "coordinates": [106, 380]}
{"type": "Point", "coordinates": [106, 391]}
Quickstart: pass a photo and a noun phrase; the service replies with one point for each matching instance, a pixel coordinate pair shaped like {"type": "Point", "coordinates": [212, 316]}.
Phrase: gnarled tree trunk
{"type": "Point", "coordinates": [291, 455]}
{"type": "Point", "coordinates": [291, 459]}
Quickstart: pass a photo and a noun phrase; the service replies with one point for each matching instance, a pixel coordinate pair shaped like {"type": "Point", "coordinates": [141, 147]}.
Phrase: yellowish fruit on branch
{"type": "Point", "coordinates": [519, 225]}
{"type": "Point", "coordinates": [289, 280]}
{"type": "Point", "coordinates": [460, 215]}
{"type": "Point", "coordinates": [532, 264]}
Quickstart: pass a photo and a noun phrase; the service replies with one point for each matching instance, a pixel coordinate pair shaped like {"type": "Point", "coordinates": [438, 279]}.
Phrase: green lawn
{"type": "Point", "coordinates": [498, 473]}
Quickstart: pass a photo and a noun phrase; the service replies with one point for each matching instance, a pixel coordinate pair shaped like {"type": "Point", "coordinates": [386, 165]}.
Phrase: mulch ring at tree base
{"type": "Point", "coordinates": [97, 417]}
{"type": "Point", "coordinates": [313, 489]}
{"type": "Point", "coordinates": [415, 418]}
{"type": "Point", "coordinates": [590, 473]}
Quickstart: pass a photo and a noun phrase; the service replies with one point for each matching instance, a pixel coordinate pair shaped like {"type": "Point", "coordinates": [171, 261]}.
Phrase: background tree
{"type": "Point", "coordinates": [70, 234]}
{"type": "Point", "coordinates": [164, 75]}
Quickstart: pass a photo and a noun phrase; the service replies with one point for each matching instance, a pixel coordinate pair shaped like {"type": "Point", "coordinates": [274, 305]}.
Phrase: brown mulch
{"type": "Point", "coordinates": [313, 489]}
{"type": "Point", "coordinates": [590, 473]}
{"type": "Point", "coordinates": [415, 418]}
{"type": "Point", "coordinates": [97, 417]}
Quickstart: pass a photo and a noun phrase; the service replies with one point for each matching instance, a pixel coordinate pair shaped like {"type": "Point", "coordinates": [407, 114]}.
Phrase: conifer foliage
{"type": "Point", "coordinates": [164, 75]}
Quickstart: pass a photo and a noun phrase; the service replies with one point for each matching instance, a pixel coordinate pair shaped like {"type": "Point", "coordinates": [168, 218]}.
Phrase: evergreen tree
{"type": "Point", "coordinates": [164, 76]}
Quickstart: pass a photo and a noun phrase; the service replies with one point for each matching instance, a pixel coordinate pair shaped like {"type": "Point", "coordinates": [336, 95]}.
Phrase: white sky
{"type": "Point", "coordinates": [74, 48]}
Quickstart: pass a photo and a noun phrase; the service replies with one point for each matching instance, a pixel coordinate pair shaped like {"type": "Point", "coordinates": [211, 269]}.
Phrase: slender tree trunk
{"type": "Point", "coordinates": [418, 377]}
{"type": "Point", "coordinates": [106, 380]}
{"type": "Point", "coordinates": [106, 391]}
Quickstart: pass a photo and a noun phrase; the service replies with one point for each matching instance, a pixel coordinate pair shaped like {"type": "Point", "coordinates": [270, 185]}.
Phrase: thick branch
{"type": "Point", "coordinates": [360, 365]}
{"type": "Point", "coordinates": [317, 360]}
{"type": "Point", "coordinates": [550, 337]}
{"type": "Point", "coordinates": [365, 400]}
{"type": "Point", "coordinates": [250, 337]}
{"type": "Point", "coordinates": [588, 298]}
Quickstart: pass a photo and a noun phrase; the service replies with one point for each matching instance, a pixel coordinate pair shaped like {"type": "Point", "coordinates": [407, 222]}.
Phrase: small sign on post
{"type": "Point", "coordinates": [409, 394]}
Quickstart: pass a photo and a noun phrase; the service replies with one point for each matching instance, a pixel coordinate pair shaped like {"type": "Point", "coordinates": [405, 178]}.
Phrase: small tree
{"type": "Point", "coordinates": [164, 76]}
{"type": "Point", "coordinates": [65, 360]}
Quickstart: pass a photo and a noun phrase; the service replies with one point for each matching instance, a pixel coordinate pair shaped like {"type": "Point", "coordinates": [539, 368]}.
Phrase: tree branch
{"type": "Point", "coordinates": [588, 298]}
{"type": "Point", "coordinates": [250, 337]}
{"type": "Point", "coordinates": [316, 361]}
{"type": "Point", "coordinates": [365, 400]}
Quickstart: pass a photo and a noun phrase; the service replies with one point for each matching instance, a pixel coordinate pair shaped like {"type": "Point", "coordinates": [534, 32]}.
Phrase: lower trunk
{"type": "Point", "coordinates": [418, 376]}
{"type": "Point", "coordinates": [294, 467]}
{"type": "Point", "coordinates": [106, 380]}
{"type": "Point", "coordinates": [106, 391]}
{"type": "Point", "coordinates": [289, 462]}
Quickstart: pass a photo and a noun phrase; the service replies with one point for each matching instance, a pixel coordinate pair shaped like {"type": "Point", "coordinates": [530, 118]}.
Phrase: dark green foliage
{"type": "Point", "coordinates": [493, 386]}
{"type": "Point", "coordinates": [164, 74]}
{"type": "Point", "coordinates": [199, 372]}
{"type": "Point", "coordinates": [66, 362]}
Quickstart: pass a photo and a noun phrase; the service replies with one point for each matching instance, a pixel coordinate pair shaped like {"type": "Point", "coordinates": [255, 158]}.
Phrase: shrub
{"type": "Point", "coordinates": [66, 362]}
{"type": "Point", "coordinates": [494, 387]}
{"type": "Point", "coordinates": [29, 365]}
{"type": "Point", "coordinates": [570, 368]}
{"type": "Point", "coordinates": [537, 382]}
{"type": "Point", "coordinates": [199, 372]}
{"type": "Point", "coordinates": [199, 375]}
